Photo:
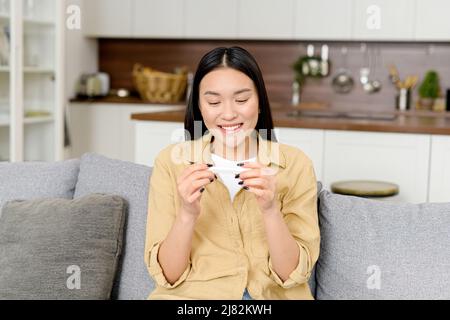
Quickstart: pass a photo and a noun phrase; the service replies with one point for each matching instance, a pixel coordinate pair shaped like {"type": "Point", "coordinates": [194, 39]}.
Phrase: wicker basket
{"type": "Point", "coordinates": [159, 87]}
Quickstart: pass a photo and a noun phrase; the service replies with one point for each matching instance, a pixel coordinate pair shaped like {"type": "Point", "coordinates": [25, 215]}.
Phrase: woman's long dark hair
{"type": "Point", "coordinates": [241, 60]}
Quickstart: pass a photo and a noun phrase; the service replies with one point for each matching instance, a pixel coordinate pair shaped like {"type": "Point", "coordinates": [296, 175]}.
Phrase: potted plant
{"type": "Point", "coordinates": [429, 90]}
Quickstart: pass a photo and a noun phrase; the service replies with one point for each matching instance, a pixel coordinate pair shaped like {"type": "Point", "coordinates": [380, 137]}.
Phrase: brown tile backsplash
{"type": "Point", "coordinates": [117, 56]}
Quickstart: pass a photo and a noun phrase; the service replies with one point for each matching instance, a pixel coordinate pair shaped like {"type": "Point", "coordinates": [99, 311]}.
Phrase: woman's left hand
{"type": "Point", "coordinates": [260, 181]}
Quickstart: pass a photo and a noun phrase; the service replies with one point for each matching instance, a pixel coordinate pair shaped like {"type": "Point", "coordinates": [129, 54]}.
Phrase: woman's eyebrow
{"type": "Point", "coordinates": [242, 91]}
{"type": "Point", "coordinates": [236, 93]}
{"type": "Point", "coordinates": [211, 93]}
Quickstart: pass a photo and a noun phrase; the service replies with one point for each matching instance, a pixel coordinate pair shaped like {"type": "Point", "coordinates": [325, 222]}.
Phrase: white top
{"type": "Point", "coordinates": [228, 176]}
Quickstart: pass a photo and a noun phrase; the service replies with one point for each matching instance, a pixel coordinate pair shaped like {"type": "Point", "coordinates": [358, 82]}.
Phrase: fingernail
{"type": "Point", "coordinates": [202, 189]}
{"type": "Point", "coordinates": [241, 183]}
{"type": "Point", "coordinates": [210, 165]}
{"type": "Point", "coordinates": [246, 188]}
{"type": "Point", "coordinates": [237, 176]}
{"type": "Point", "coordinates": [241, 164]}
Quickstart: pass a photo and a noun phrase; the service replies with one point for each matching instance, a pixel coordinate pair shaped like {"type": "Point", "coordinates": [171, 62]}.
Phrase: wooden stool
{"type": "Point", "coordinates": [367, 189]}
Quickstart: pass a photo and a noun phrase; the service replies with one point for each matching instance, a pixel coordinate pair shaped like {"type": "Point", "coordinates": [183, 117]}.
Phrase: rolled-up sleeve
{"type": "Point", "coordinates": [160, 218]}
{"type": "Point", "coordinates": [156, 271]}
{"type": "Point", "coordinates": [300, 214]}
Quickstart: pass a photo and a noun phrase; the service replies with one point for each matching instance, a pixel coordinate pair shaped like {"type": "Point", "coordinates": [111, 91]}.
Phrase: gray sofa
{"type": "Point", "coordinates": [369, 249]}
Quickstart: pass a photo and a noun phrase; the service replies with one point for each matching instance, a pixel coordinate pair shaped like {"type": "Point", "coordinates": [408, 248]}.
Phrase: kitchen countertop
{"type": "Point", "coordinates": [422, 122]}
{"type": "Point", "coordinates": [126, 100]}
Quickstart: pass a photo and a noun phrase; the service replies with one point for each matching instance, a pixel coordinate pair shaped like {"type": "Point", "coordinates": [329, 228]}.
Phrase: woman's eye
{"type": "Point", "coordinates": [214, 103]}
{"type": "Point", "coordinates": [241, 101]}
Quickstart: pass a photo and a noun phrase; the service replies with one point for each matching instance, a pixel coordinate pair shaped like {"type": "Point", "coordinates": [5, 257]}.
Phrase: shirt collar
{"type": "Point", "coordinates": [199, 151]}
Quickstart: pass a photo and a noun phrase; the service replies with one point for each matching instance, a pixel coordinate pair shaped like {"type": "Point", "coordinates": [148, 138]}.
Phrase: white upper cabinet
{"type": "Point", "coordinates": [158, 18]}
{"type": "Point", "coordinates": [383, 20]}
{"type": "Point", "coordinates": [432, 20]}
{"type": "Point", "coordinates": [107, 18]}
{"type": "Point", "coordinates": [266, 19]}
{"type": "Point", "coordinates": [323, 19]}
{"type": "Point", "coordinates": [341, 20]}
{"type": "Point", "coordinates": [211, 19]}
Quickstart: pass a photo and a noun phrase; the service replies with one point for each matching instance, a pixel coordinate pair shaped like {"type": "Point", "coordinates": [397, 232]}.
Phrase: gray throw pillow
{"type": "Point", "coordinates": [382, 250]}
{"type": "Point", "coordinates": [99, 174]}
{"type": "Point", "coordinates": [34, 180]}
{"type": "Point", "coordinates": [60, 249]}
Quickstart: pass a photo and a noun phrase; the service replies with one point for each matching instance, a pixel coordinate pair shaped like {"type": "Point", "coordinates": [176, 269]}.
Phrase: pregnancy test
{"type": "Point", "coordinates": [227, 169]}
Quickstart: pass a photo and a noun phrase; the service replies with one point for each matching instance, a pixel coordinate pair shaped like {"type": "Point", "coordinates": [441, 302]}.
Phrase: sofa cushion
{"type": "Point", "coordinates": [59, 248]}
{"type": "Point", "coordinates": [35, 180]}
{"type": "Point", "coordinates": [99, 174]}
{"type": "Point", "coordinates": [312, 279]}
{"type": "Point", "coordinates": [381, 250]}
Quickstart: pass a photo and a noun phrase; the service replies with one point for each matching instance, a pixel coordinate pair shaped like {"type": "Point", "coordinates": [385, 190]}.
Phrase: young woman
{"type": "Point", "coordinates": [232, 213]}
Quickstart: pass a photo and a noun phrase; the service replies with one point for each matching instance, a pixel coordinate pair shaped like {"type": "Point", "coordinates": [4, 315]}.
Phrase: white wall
{"type": "Point", "coordinates": [81, 57]}
{"type": "Point", "coordinates": [81, 54]}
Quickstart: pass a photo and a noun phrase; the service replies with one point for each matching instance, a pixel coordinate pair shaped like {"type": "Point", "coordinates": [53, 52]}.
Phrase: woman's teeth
{"type": "Point", "coordinates": [229, 129]}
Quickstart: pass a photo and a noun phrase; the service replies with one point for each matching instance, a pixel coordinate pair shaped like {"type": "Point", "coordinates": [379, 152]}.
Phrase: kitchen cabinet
{"type": "Point", "coordinates": [108, 18]}
{"type": "Point", "coordinates": [310, 141]}
{"type": "Point", "coordinates": [383, 20]}
{"type": "Point", "coordinates": [398, 158]}
{"type": "Point", "coordinates": [153, 136]}
{"type": "Point", "coordinates": [106, 128]}
{"type": "Point", "coordinates": [200, 13]}
{"type": "Point", "coordinates": [32, 81]}
{"type": "Point", "coordinates": [266, 19]}
{"type": "Point", "coordinates": [432, 22]}
{"type": "Point", "coordinates": [159, 18]}
{"type": "Point", "coordinates": [314, 18]}
{"type": "Point", "coordinates": [440, 169]}
{"type": "Point", "coordinates": [342, 20]}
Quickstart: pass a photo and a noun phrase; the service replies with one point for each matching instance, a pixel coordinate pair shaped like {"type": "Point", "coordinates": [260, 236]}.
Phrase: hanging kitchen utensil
{"type": "Point", "coordinates": [376, 84]}
{"type": "Point", "coordinates": [369, 85]}
{"type": "Point", "coordinates": [343, 82]}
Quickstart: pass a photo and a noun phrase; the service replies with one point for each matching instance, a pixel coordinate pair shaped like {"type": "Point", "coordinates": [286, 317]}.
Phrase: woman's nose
{"type": "Point", "coordinates": [228, 111]}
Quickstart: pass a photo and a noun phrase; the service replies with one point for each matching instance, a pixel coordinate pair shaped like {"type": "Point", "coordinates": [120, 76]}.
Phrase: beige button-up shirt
{"type": "Point", "coordinates": [229, 247]}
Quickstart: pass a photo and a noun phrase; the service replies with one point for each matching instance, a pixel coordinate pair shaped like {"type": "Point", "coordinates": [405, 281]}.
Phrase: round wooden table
{"type": "Point", "coordinates": [365, 188]}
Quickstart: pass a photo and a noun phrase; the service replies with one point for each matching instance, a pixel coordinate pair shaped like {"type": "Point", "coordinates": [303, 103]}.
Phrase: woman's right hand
{"type": "Point", "coordinates": [191, 185]}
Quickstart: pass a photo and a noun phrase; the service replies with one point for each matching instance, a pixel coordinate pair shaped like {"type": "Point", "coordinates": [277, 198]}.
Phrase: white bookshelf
{"type": "Point", "coordinates": [31, 86]}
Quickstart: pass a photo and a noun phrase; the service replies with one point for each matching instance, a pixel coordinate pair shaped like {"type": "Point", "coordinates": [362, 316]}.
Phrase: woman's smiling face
{"type": "Point", "coordinates": [229, 105]}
